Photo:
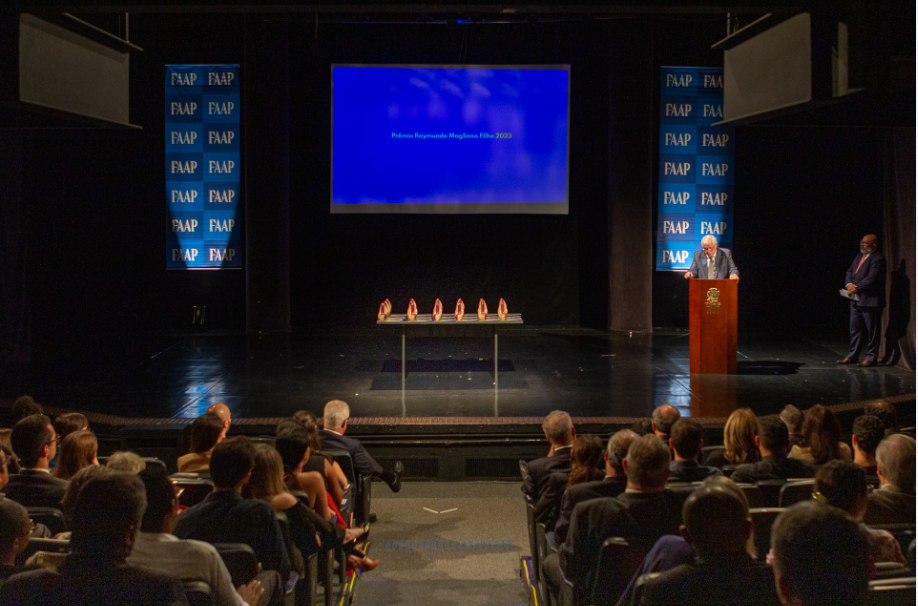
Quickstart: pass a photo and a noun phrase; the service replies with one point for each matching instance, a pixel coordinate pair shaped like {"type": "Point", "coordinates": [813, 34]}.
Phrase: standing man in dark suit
{"type": "Point", "coordinates": [712, 263]}
{"type": "Point", "coordinates": [866, 278]}
{"type": "Point", "coordinates": [560, 432]}
{"type": "Point", "coordinates": [334, 422]}
{"type": "Point", "coordinates": [35, 443]}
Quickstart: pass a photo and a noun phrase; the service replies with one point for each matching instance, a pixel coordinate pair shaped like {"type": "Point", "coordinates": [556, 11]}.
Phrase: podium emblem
{"type": "Point", "coordinates": [712, 305]}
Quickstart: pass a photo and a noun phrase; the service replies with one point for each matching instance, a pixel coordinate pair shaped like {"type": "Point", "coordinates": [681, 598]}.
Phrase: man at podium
{"type": "Point", "coordinates": [712, 263]}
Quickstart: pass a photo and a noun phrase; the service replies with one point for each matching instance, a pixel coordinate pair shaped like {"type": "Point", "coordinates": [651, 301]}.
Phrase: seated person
{"type": "Point", "coordinates": [77, 450]}
{"type": "Point", "coordinates": [821, 438]}
{"type": "Point", "coordinates": [206, 432]}
{"type": "Point", "coordinates": [820, 556]}
{"type": "Point", "coordinates": [662, 420]}
{"type": "Point", "coordinates": [586, 457]}
{"type": "Point", "coordinates": [887, 414]}
{"type": "Point", "coordinates": [225, 517]}
{"type": "Point", "coordinates": [125, 460]}
{"type": "Point", "coordinates": [717, 525]}
{"type": "Point", "coordinates": [739, 441]}
{"type": "Point", "coordinates": [69, 422]}
{"type": "Point", "coordinates": [158, 550]}
{"type": "Point", "coordinates": [292, 443]}
{"type": "Point", "coordinates": [560, 433]}
{"type": "Point", "coordinates": [773, 445]}
{"type": "Point", "coordinates": [106, 521]}
{"type": "Point", "coordinates": [866, 435]}
{"type": "Point", "coordinates": [336, 481]}
{"type": "Point", "coordinates": [25, 406]}
{"type": "Point", "coordinates": [842, 484]}
{"type": "Point", "coordinates": [894, 502]}
{"type": "Point", "coordinates": [34, 441]}
{"type": "Point", "coordinates": [793, 418]}
{"type": "Point", "coordinates": [686, 443]}
{"type": "Point", "coordinates": [74, 486]}
{"type": "Point", "coordinates": [15, 532]}
{"type": "Point", "coordinates": [12, 461]}
{"type": "Point", "coordinates": [610, 486]}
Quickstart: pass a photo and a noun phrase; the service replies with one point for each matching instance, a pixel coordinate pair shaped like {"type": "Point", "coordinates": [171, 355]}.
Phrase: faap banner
{"type": "Point", "coordinates": [695, 194]}
{"type": "Point", "coordinates": [203, 167]}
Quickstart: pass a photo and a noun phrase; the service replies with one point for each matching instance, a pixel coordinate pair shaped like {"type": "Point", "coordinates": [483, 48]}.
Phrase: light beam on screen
{"type": "Point", "coordinates": [450, 139]}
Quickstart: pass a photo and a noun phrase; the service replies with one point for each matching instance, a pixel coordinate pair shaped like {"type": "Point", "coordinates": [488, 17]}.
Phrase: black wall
{"type": "Point", "coordinates": [96, 229]}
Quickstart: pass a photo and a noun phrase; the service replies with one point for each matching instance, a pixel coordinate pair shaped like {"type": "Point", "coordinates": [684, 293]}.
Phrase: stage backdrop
{"type": "Point", "coordinates": [202, 166]}
{"type": "Point", "coordinates": [695, 194]}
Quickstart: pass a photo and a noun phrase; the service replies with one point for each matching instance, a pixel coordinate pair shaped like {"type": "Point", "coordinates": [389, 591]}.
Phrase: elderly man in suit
{"type": "Point", "coordinates": [866, 278]}
{"type": "Point", "coordinates": [560, 432]}
{"type": "Point", "coordinates": [712, 263]}
{"type": "Point", "coordinates": [894, 502]}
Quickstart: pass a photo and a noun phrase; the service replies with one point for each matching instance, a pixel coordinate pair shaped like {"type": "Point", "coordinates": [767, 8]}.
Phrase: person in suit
{"type": "Point", "coordinates": [866, 278]}
{"type": "Point", "coordinates": [35, 442]}
{"type": "Point", "coordinates": [610, 486]}
{"type": "Point", "coordinates": [336, 415]}
{"type": "Point", "coordinates": [686, 443]}
{"type": "Point", "coordinates": [820, 556]}
{"type": "Point", "coordinates": [716, 523]}
{"type": "Point", "coordinates": [662, 420]}
{"type": "Point", "coordinates": [894, 502]}
{"type": "Point", "coordinates": [586, 458]}
{"type": "Point", "coordinates": [774, 444]}
{"type": "Point", "coordinates": [712, 263]}
{"type": "Point", "coordinates": [226, 517]}
{"type": "Point", "coordinates": [107, 518]}
{"type": "Point", "coordinates": [641, 515]}
{"type": "Point", "coordinates": [560, 432]}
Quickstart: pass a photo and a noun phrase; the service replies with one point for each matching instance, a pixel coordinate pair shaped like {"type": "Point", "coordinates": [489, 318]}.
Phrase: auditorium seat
{"type": "Point", "coordinates": [753, 495]}
{"type": "Point", "coordinates": [728, 469]}
{"type": "Point", "coordinates": [361, 487]}
{"type": "Point", "coordinates": [771, 491]}
{"type": "Point", "coordinates": [892, 592]}
{"type": "Point", "coordinates": [51, 517]}
{"type": "Point", "coordinates": [904, 533]}
{"type": "Point", "coordinates": [618, 561]}
{"type": "Point", "coordinates": [194, 490]}
{"type": "Point", "coordinates": [46, 545]}
{"type": "Point", "coordinates": [796, 491]}
{"type": "Point", "coordinates": [762, 519]}
{"type": "Point", "coordinates": [682, 491]}
{"type": "Point", "coordinates": [198, 593]}
{"type": "Point", "coordinates": [240, 560]}
{"type": "Point", "coordinates": [891, 570]}
{"type": "Point", "coordinates": [637, 593]}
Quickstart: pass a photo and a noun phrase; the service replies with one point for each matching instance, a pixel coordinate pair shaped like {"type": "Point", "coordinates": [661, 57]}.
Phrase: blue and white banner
{"type": "Point", "coordinates": [203, 167]}
{"type": "Point", "coordinates": [695, 195]}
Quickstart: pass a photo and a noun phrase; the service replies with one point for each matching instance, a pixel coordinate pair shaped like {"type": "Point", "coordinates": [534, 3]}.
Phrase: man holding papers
{"type": "Point", "coordinates": [865, 285]}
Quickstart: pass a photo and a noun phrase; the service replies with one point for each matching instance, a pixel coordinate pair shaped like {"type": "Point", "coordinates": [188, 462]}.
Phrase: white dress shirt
{"type": "Point", "coordinates": [188, 560]}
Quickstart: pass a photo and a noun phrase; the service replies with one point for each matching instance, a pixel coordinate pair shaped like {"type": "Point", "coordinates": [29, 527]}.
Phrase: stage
{"type": "Point", "coordinates": [609, 377]}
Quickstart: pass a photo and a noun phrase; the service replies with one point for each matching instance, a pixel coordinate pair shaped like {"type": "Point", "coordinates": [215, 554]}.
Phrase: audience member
{"type": "Point", "coordinates": [686, 443]}
{"type": "Point", "coordinates": [4, 472]}
{"type": "Point", "coordinates": [335, 480]}
{"type": "Point", "coordinates": [886, 412]}
{"type": "Point", "coordinates": [225, 517]}
{"type": "Point", "coordinates": [820, 557]}
{"type": "Point", "coordinates": [662, 421]}
{"type": "Point", "coordinates": [125, 460]}
{"type": "Point", "coordinates": [12, 461]}
{"type": "Point", "coordinates": [821, 438]}
{"type": "Point", "coordinates": [106, 521]}
{"type": "Point", "coordinates": [611, 486]}
{"type": "Point", "coordinates": [641, 515]}
{"type": "Point", "coordinates": [78, 450]}
{"type": "Point", "coordinates": [842, 484]}
{"type": "Point", "coordinates": [642, 427]}
{"type": "Point", "coordinates": [158, 550]}
{"type": "Point", "coordinates": [222, 411]}
{"type": "Point", "coordinates": [894, 502]}
{"type": "Point", "coordinates": [867, 433]}
{"type": "Point", "coordinates": [586, 457]}
{"type": "Point", "coordinates": [773, 445]}
{"type": "Point", "coordinates": [716, 523]}
{"type": "Point", "coordinates": [72, 492]}
{"type": "Point", "coordinates": [206, 432]}
{"type": "Point", "coordinates": [35, 442]}
{"type": "Point", "coordinates": [15, 532]}
{"type": "Point", "coordinates": [292, 444]}
{"type": "Point", "coordinates": [739, 440]}
{"type": "Point", "coordinates": [560, 432]}
{"type": "Point", "coordinates": [335, 424]}
{"type": "Point", "coordinates": [793, 418]}
{"type": "Point", "coordinates": [70, 422]}
{"type": "Point", "coordinates": [25, 406]}
{"type": "Point", "coordinates": [333, 472]}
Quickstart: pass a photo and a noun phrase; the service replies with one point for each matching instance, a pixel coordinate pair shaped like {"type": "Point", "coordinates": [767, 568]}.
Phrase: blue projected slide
{"type": "Point", "coordinates": [448, 139]}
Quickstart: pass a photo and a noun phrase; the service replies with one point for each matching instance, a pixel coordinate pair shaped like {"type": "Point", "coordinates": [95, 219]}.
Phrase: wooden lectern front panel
{"type": "Point", "coordinates": [712, 326]}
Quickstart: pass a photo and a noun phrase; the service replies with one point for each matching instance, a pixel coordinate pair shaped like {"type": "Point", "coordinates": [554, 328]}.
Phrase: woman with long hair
{"type": "Point", "coordinates": [78, 450]}
{"type": "Point", "coordinates": [740, 432]}
{"type": "Point", "coordinates": [586, 460]}
{"type": "Point", "coordinates": [267, 484]}
{"type": "Point", "coordinates": [822, 438]}
{"type": "Point", "coordinates": [206, 432]}
{"type": "Point", "coordinates": [335, 480]}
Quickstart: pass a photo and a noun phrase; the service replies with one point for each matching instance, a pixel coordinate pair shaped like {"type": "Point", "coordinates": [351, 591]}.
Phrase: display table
{"type": "Point", "coordinates": [426, 324]}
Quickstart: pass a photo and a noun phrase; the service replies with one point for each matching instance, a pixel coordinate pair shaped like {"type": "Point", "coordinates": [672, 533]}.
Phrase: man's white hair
{"type": "Point", "coordinates": [710, 239]}
{"type": "Point", "coordinates": [336, 413]}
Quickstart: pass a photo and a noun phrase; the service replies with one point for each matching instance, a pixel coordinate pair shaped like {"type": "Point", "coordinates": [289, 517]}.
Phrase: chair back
{"type": "Point", "coordinates": [638, 593]}
{"type": "Point", "coordinates": [51, 517]}
{"type": "Point", "coordinates": [795, 492]}
{"type": "Point", "coordinates": [753, 495]}
{"type": "Point", "coordinates": [762, 520]}
{"type": "Point", "coordinates": [771, 491]}
{"type": "Point", "coordinates": [198, 593]}
{"type": "Point", "coordinates": [904, 533]}
{"type": "Point", "coordinates": [618, 561]}
{"type": "Point", "coordinates": [194, 490]}
{"type": "Point", "coordinates": [240, 560]}
{"type": "Point", "coordinates": [892, 592]}
{"type": "Point", "coordinates": [46, 545]}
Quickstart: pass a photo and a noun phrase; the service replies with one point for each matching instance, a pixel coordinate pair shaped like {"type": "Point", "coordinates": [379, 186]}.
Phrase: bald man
{"type": "Point", "coordinates": [866, 281]}
{"type": "Point", "coordinates": [712, 263]}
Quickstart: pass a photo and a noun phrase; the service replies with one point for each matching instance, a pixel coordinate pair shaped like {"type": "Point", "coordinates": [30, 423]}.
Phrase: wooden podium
{"type": "Point", "coordinates": [712, 326]}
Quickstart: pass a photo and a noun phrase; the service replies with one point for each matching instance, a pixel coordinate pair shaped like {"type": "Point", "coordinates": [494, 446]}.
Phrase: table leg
{"type": "Point", "coordinates": [403, 358]}
{"type": "Point", "coordinates": [495, 357]}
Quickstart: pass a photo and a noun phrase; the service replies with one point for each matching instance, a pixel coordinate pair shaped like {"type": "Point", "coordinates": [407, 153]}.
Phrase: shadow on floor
{"type": "Point", "coordinates": [767, 367]}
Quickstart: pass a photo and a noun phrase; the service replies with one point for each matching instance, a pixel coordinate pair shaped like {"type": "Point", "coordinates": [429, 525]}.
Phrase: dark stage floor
{"type": "Point", "coordinates": [590, 373]}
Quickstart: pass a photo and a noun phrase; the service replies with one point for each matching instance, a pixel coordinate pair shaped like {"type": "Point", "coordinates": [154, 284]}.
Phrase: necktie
{"type": "Point", "coordinates": [710, 268]}
{"type": "Point", "coordinates": [863, 258]}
